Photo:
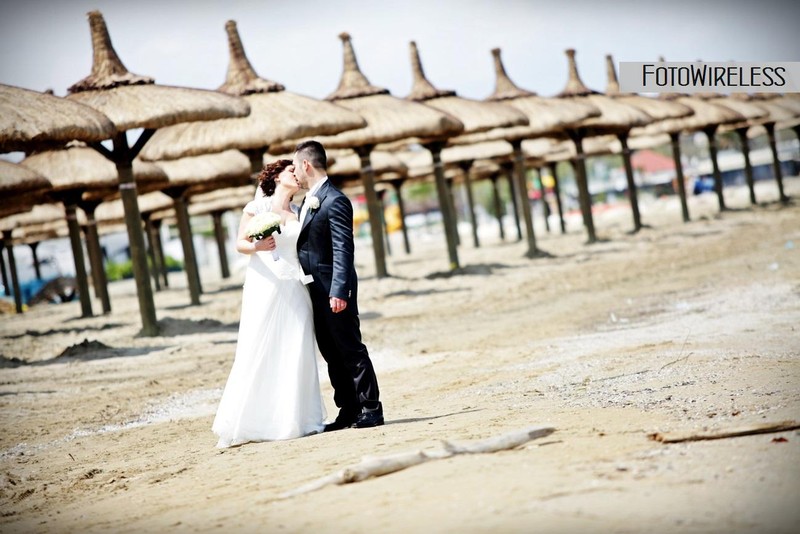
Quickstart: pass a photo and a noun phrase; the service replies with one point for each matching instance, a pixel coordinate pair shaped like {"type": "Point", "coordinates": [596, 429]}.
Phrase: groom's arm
{"type": "Point", "coordinates": [340, 218]}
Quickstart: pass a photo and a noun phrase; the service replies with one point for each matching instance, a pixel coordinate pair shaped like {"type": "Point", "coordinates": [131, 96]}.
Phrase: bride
{"type": "Point", "coordinates": [273, 391]}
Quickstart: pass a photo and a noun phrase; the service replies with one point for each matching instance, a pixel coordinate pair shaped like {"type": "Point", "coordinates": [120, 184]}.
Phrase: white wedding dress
{"type": "Point", "coordinates": [273, 390]}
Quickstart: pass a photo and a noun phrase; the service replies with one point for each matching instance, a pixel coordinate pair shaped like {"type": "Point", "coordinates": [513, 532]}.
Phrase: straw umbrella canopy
{"type": "Point", "coordinates": [776, 115]}
{"type": "Point", "coordinates": [657, 109]}
{"type": "Point", "coordinates": [21, 189]}
{"type": "Point", "coordinates": [616, 118]}
{"type": "Point", "coordinates": [706, 117]}
{"type": "Point", "coordinates": [752, 114]}
{"type": "Point", "coordinates": [477, 117]}
{"type": "Point", "coordinates": [546, 116]}
{"type": "Point", "coordinates": [192, 175]}
{"type": "Point", "coordinates": [32, 120]}
{"type": "Point", "coordinates": [133, 101]}
{"type": "Point", "coordinates": [276, 115]}
{"type": "Point", "coordinates": [81, 177]}
{"type": "Point", "coordinates": [388, 119]}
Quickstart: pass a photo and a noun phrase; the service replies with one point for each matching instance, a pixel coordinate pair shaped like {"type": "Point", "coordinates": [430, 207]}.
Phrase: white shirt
{"type": "Point", "coordinates": [311, 193]}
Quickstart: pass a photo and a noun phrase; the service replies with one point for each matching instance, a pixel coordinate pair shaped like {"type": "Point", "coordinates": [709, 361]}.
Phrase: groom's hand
{"type": "Point", "coordinates": [338, 304]}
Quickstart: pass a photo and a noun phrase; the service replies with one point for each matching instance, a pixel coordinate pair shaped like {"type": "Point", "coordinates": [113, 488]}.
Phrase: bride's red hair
{"type": "Point", "coordinates": [269, 174]}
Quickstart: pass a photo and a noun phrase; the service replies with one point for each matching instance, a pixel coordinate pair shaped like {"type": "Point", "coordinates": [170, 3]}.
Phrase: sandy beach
{"type": "Point", "coordinates": [679, 329]}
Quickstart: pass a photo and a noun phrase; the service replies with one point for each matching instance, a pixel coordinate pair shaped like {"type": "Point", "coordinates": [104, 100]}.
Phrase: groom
{"type": "Point", "coordinates": [325, 249]}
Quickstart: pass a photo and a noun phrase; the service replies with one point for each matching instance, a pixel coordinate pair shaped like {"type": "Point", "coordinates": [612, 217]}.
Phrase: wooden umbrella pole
{"type": "Point", "coordinates": [448, 214]}
{"type": "Point", "coordinates": [152, 251]}
{"type": "Point", "coordinates": [398, 185]}
{"type": "Point", "coordinates": [185, 232]}
{"type": "Point", "coordinates": [466, 166]}
{"type": "Point", "coordinates": [37, 267]}
{"type": "Point", "coordinates": [70, 205]}
{"type": "Point", "coordinates": [776, 162]}
{"type": "Point", "coordinates": [373, 209]}
{"type": "Point", "coordinates": [256, 157]}
{"type": "Point", "coordinates": [632, 193]}
{"type": "Point", "coordinates": [711, 133]}
{"type": "Point", "coordinates": [384, 229]}
{"type": "Point", "coordinates": [95, 255]}
{"type": "Point", "coordinates": [557, 191]}
{"type": "Point", "coordinates": [123, 156]}
{"type": "Point", "coordinates": [219, 235]}
{"type": "Point", "coordinates": [498, 206]}
{"type": "Point", "coordinates": [6, 285]}
{"type": "Point", "coordinates": [748, 167]}
{"type": "Point", "coordinates": [12, 268]}
{"type": "Point", "coordinates": [675, 141]}
{"type": "Point", "coordinates": [584, 196]}
{"type": "Point", "coordinates": [451, 196]}
{"type": "Point", "coordinates": [522, 196]}
{"type": "Point", "coordinates": [512, 189]}
{"type": "Point", "coordinates": [159, 250]}
{"type": "Point", "coordinates": [545, 205]}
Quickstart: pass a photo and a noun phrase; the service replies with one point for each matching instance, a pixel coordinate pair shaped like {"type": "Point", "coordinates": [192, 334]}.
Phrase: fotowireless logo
{"type": "Point", "coordinates": [701, 76]}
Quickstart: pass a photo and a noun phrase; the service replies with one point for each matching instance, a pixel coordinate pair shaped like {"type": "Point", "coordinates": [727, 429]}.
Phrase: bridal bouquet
{"type": "Point", "coordinates": [263, 225]}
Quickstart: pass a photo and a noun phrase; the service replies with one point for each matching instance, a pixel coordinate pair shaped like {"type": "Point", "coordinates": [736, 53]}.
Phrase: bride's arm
{"type": "Point", "coordinates": [243, 243]}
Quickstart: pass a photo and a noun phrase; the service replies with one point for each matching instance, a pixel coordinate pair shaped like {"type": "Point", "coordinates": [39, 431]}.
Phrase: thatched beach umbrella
{"type": "Point", "coordinates": [706, 117]}
{"type": "Point", "coordinates": [198, 174]}
{"type": "Point", "coordinates": [388, 119]}
{"type": "Point", "coordinates": [131, 102]}
{"type": "Point", "coordinates": [20, 188]}
{"type": "Point", "coordinates": [750, 113]}
{"type": "Point", "coordinates": [657, 109]}
{"type": "Point", "coordinates": [215, 204]}
{"type": "Point", "coordinates": [346, 171]}
{"type": "Point", "coordinates": [31, 120]}
{"type": "Point", "coordinates": [81, 177]}
{"type": "Point", "coordinates": [461, 157]}
{"type": "Point", "coordinates": [476, 117]}
{"type": "Point", "coordinates": [43, 213]}
{"type": "Point", "coordinates": [616, 118]}
{"type": "Point", "coordinates": [546, 116]}
{"type": "Point", "coordinates": [275, 115]}
{"type": "Point", "coordinates": [113, 211]}
{"type": "Point", "coordinates": [775, 114]}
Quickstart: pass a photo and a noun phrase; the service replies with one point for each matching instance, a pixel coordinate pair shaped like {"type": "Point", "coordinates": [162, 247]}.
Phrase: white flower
{"type": "Point", "coordinates": [313, 203]}
{"type": "Point", "coordinates": [263, 225]}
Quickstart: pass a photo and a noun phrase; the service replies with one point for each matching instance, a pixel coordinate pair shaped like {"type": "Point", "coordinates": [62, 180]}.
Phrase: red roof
{"type": "Point", "coordinates": [647, 161]}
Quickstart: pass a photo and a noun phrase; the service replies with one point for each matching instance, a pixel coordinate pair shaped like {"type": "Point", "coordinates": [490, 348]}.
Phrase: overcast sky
{"type": "Point", "coordinates": [46, 44]}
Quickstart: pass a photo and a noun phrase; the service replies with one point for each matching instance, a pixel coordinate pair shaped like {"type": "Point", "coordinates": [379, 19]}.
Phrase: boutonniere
{"type": "Point", "coordinates": [313, 203]}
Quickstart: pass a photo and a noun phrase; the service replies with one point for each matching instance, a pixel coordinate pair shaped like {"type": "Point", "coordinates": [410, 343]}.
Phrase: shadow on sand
{"type": "Point", "coordinates": [420, 419]}
{"type": "Point", "coordinates": [82, 352]}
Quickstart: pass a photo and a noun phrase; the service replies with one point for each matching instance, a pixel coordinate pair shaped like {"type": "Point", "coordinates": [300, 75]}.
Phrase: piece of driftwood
{"type": "Point", "coordinates": [370, 467]}
{"type": "Point", "coordinates": [766, 428]}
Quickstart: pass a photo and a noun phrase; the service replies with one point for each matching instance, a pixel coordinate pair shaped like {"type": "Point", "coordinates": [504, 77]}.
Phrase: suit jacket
{"type": "Point", "coordinates": [325, 247]}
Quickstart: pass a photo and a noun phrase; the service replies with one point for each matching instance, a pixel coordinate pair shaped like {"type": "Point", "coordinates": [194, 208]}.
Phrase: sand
{"type": "Point", "coordinates": [680, 328]}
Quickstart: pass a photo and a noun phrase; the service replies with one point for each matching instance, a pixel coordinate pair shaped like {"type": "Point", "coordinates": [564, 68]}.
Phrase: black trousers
{"type": "Point", "coordinates": [352, 376]}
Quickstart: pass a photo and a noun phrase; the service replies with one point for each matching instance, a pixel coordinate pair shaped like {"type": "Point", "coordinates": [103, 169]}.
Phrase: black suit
{"type": "Point", "coordinates": [325, 249]}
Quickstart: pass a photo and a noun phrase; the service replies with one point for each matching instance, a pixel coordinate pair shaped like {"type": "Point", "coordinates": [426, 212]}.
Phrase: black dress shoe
{"type": "Point", "coordinates": [370, 418]}
{"type": "Point", "coordinates": [342, 421]}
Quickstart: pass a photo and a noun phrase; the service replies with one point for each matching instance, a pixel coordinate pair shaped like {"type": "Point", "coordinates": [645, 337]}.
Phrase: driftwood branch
{"type": "Point", "coordinates": [722, 434]}
{"type": "Point", "coordinates": [378, 466]}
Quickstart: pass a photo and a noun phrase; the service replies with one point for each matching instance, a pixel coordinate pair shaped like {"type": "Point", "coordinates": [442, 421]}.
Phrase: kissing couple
{"type": "Point", "coordinates": [300, 293]}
